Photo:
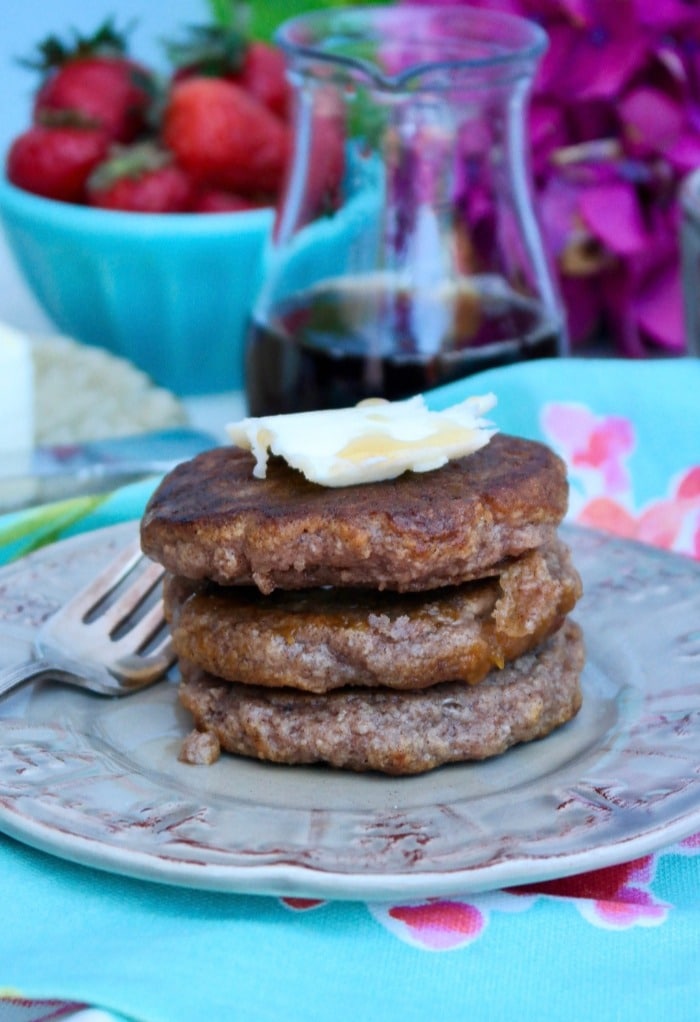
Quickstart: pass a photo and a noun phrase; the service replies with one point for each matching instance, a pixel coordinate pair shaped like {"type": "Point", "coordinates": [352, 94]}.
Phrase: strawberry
{"type": "Point", "coordinates": [224, 138]}
{"type": "Point", "coordinates": [215, 200]}
{"type": "Point", "coordinates": [140, 179]}
{"type": "Point", "coordinates": [93, 83]}
{"type": "Point", "coordinates": [213, 51]}
{"type": "Point", "coordinates": [56, 161]}
{"type": "Point", "coordinates": [263, 75]}
{"type": "Point", "coordinates": [221, 51]}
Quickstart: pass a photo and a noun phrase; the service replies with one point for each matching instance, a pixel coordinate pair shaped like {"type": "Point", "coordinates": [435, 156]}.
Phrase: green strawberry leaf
{"type": "Point", "coordinates": [211, 49]}
{"type": "Point", "coordinates": [107, 41]}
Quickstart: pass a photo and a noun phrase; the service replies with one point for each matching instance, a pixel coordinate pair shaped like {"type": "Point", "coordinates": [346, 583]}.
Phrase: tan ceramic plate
{"type": "Point", "coordinates": [97, 781]}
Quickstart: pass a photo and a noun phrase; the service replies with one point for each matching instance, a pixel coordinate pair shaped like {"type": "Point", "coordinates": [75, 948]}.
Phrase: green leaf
{"type": "Point", "coordinates": [265, 16]}
{"type": "Point", "coordinates": [224, 12]}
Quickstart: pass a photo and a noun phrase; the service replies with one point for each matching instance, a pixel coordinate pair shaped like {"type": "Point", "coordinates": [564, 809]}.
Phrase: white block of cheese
{"type": "Point", "coordinates": [16, 400]}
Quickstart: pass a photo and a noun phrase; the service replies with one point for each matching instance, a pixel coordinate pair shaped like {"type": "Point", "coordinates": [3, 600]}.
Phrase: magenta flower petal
{"type": "Point", "coordinates": [659, 310]}
{"type": "Point", "coordinates": [684, 153]}
{"type": "Point", "coordinates": [546, 10]}
{"type": "Point", "coordinates": [613, 215]}
{"type": "Point", "coordinates": [614, 125]}
{"type": "Point", "coordinates": [651, 120]}
{"type": "Point", "coordinates": [557, 61]}
{"type": "Point", "coordinates": [610, 47]}
{"type": "Point", "coordinates": [558, 206]}
{"type": "Point", "coordinates": [547, 134]}
{"type": "Point", "coordinates": [579, 11]}
{"type": "Point", "coordinates": [582, 299]}
{"type": "Point", "coordinates": [665, 15]}
{"type": "Point", "coordinates": [605, 64]}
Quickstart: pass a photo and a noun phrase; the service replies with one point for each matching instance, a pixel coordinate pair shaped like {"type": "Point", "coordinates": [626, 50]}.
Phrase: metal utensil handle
{"type": "Point", "coordinates": [14, 676]}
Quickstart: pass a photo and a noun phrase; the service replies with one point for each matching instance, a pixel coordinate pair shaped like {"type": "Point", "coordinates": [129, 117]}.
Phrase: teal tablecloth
{"type": "Point", "coordinates": [621, 944]}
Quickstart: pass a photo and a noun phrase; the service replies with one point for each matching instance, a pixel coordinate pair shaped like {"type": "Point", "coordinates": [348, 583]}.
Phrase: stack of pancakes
{"type": "Point", "coordinates": [392, 626]}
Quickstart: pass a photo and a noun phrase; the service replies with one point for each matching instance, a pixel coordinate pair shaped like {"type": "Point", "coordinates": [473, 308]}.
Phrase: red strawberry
{"type": "Point", "coordinates": [220, 51]}
{"type": "Point", "coordinates": [98, 92]}
{"type": "Point", "coordinates": [140, 179]}
{"type": "Point", "coordinates": [56, 161]}
{"type": "Point", "coordinates": [263, 75]}
{"type": "Point", "coordinates": [213, 200]}
{"type": "Point", "coordinates": [225, 138]}
{"type": "Point", "coordinates": [93, 83]}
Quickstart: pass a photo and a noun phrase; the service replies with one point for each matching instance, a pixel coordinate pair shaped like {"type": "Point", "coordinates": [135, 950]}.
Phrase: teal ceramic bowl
{"type": "Point", "coordinates": [170, 292]}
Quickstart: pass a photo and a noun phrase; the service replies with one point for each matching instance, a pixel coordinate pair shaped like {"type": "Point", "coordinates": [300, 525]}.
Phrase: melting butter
{"type": "Point", "coordinates": [374, 441]}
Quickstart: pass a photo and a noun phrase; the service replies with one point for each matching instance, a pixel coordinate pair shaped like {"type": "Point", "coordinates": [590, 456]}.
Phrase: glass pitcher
{"type": "Point", "coordinates": [406, 252]}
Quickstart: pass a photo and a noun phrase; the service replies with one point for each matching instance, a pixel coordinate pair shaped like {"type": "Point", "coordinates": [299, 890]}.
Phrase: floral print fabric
{"type": "Point", "coordinates": [617, 944]}
{"type": "Point", "coordinates": [597, 449]}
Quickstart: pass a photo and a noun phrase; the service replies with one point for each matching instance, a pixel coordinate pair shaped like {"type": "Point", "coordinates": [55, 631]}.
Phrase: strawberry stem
{"type": "Point", "coordinates": [209, 49]}
{"type": "Point", "coordinates": [106, 41]}
{"type": "Point", "coordinates": [131, 161]}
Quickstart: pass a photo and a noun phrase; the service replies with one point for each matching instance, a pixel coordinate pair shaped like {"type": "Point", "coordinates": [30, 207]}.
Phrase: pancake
{"type": "Point", "coordinates": [318, 640]}
{"type": "Point", "coordinates": [211, 519]}
{"type": "Point", "coordinates": [381, 729]}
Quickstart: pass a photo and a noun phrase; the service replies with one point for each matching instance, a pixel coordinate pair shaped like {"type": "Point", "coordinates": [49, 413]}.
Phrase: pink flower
{"type": "Point", "coordinates": [690, 845]}
{"type": "Point", "coordinates": [439, 925]}
{"type": "Point", "coordinates": [442, 924]}
{"type": "Point", "coordinates": [596, 449]}
{"type": "Point", "coordinates": [614, 126]}
{"type": "Point", "coordinates": [595, 46]}
{"type": "Point", "coordinates": [663, 523]}
{"type": "Point", "coordinates": [591, 443]}
{"type": "Point", "coordinates": [615, 897]}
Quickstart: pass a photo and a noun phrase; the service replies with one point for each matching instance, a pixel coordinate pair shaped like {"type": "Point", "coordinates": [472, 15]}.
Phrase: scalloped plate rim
{"type": "Point", "coordinates": [289, 878]}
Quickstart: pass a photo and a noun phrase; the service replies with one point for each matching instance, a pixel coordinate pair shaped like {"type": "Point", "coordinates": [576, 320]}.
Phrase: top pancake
{"type": "Point", "coordinates": [210, 518]}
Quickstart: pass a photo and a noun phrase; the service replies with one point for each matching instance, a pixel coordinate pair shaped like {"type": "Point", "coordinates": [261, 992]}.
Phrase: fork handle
{"type": "Point", "coordinates": [14, 676]}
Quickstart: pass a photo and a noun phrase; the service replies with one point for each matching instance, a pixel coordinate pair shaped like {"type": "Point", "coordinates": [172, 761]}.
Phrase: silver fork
{"type": "Point", "coordinates": [110, 637]}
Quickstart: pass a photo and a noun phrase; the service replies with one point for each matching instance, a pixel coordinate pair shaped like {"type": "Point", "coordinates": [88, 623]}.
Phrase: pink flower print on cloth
{"type": "Point", "coordinates": [672, 524]}
{"type": "Point", "coordinates": [616, 897]}
{"type": "Point", "coordinates": [596, 449]}
{"type": "Point", "coordinates": [689, 845]}
{"type": "Point", "coordinates": [302, 904]}
{"type": "Point", "coordinates": [445, 924]}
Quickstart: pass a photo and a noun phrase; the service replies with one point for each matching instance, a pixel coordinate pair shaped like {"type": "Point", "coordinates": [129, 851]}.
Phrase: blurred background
{"type": "Point", "coordinates": [150, 22]}
{"type": "Point", "coordinates": [31, 20]}
{"type": "Point", "coordinates": [615, 128]}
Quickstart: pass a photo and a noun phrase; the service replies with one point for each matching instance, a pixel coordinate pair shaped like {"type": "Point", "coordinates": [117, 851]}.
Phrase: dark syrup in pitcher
{"type": "Point", "coordinates": [350, 340]}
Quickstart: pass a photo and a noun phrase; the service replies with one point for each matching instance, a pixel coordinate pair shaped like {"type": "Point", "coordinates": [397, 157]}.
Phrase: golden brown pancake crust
{"type": "Point", "coordinates": [317, 640]}
{"type": "Point", "coordinates": [394, 732]}
{"type": "Point", "coordinates": [210, 518]}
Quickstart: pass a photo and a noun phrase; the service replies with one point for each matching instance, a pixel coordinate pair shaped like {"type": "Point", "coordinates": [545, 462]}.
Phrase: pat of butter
{"type": "Point", "coordinates": [373, 441]}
